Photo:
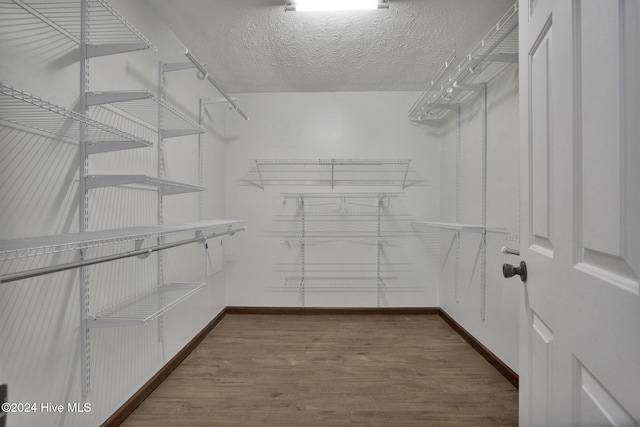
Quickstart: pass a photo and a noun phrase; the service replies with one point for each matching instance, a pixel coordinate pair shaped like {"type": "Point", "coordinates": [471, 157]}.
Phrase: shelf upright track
{"type": "Point", "coordinates": [160, 171]}
{"type": "Point", "coordinates": [84, 294]}
{"type": "Point", "coordinates": [302, 254]}
{"type": "Point", "coordinates": [379, 282]}
{"type": "Point", "coordinates": [483, 209]}
{"type": "Point", "coordinates": [103, 31]}
{"type": "Point", "coordinates": [458, 160]}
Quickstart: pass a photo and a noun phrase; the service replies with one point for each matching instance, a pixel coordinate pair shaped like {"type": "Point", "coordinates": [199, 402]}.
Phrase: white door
{"type": "Point", "coordinates": [580, 212]}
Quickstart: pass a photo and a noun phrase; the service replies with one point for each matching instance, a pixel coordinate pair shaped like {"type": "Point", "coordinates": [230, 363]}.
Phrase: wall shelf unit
{"type": "Point", "coordinates": [372, 282]}
{"type": "Point", "coordinates": [454, 226]}
{"type": "Point", "coordinates": [454, 83]}
{"type": "Point", "coordinates": [99, 30]}
{"type": "Point", "coordinates": [448, 90]}
{"type": "Point", "coordinates": [144, 106]}
{"type": "Point", "coordinates": [110, 32]}
{"type": "Point", "coordinates": [145, 307]}
{"type": "Point", "coordinates": [333, 172]}
{"type": "Point", "coordinates": [339, 219]}
{"type": "Point", "coordinates": [26, 110]}
{"type": "Point", "coordinates": [164, 186]}
{"type": "Point", "coordinates": [45, 245]}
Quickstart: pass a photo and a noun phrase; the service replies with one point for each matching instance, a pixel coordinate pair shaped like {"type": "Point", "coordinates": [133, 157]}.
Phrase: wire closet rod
{"type": "Point", "coordinates": [86, 262]}
{"type": "Point", "coordinates": [204, 72]}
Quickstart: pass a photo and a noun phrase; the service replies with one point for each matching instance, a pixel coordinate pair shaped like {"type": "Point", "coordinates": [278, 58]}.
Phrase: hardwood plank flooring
{"type": "Point", "coordinates": [331, 370]}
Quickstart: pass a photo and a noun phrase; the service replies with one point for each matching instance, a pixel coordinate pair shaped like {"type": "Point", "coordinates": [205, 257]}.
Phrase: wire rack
{"type": "Point", "coordinates": [378, 195]}
{"type": "Point", "coordinates": [344, 203]}
{"type": "Point", "coordinates": [335, 162]}
{"type": "Point", "coordinates": [372, 282]}
{"type": "Point", "coordinates": [106, 25]}
{"type": "Point", "coordinates": [144, 106]}
{"type": "Point", "coordinates": [145, 307]}
{"type": "Point", "coordinates": [164, 186]}
{"type": "Point", "coordinates": [44, 245]}
{"type": "Point", "coordinates": [497, 49]}
{"type": "Point", "coordinates": [333, 172]}
{"type": "Point", "coordinates": [455, 226]}
{"type": "Point", "coordinates": [35, 113]}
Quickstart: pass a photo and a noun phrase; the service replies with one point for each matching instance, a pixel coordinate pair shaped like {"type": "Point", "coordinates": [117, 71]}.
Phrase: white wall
{"type": "Point", "coordinates": [39, 317]}
{"type": "Point", "coordinates": [323, 126]}
{"type": "Point", "coordinates": [499, 330]}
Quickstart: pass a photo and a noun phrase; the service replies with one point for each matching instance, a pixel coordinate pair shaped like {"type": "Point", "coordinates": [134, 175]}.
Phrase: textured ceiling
{"type": "Point", "coordinates": [255, 46]}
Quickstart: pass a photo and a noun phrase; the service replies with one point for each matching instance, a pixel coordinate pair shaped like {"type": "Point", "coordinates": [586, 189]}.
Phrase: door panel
{"type": "Point", "coordinates": [541, 338]}
{"type": "Point", "coordinates": [580, 212]}
{"type": "Point", "coordinates": [601, 34]}
{"type": "Point", "coordinates": [539, 146]}
{"type": "Point", "coordinates": [595, 406]}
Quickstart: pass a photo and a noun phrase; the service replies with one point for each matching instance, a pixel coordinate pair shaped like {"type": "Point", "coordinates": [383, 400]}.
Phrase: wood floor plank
{"type": "Point", "coordinates": [368, 370]}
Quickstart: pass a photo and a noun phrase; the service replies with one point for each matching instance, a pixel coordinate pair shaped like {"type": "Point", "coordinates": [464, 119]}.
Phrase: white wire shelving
{"type": "Point", "coordinates": [35, 113]}
{"type": "Point", "coordinates": [44, 245]}
{"type": "Point", "coordinates": [372, 195]}
{"type": "Point", "coordinates": [144, 307]}
{"type": "Point", "coordinates": [455, 226]}
{"type": "Point", "coordinates": [110, 32]}
{"type": "Point", "coordinates": [454, 83]}
{"type": "Point", "coordinates": [164, 186]}
{"type": "Point", "coordinates": [339, 227]}
{"type": "Point", "coordinates": [371, 282]}
{"type": "Point", "coordinates": [144, 106]}
{"type": "Point", "coordinates": [333, 172]}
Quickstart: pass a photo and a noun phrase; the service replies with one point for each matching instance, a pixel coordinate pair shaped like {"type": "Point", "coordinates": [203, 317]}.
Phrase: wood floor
{"type": "Point", "coordinates": [331, 370]}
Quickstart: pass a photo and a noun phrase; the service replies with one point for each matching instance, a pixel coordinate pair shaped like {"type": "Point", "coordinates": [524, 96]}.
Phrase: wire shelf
{"type": "Point", "coordinates": [145, 307]}
{"type": "Point", "coordinates": [144, 106]}
{"type": "Point", "coordinates": [381, 195]}
{"type": "Point", "coordinates": [326, 235]}
{"type": "Point", "coordinates": [26, 110]}
{"type": "Point", "coordinates": [455, 226]}
{"type": "Point", "coordinates": [442, 77]}
{"type": "Point", "coordinates": [164, 186]}
{"type": "Point", "coordinates": [453, 84]}
{"type": "Point", "coordinates": [372, 282]}
{"type": "Point", "coordinates": [337, 162]}
{"type": "Point", "coordinates": [333, 172]}
{"type": "Point", "coordinates": [105, 24]}
{"type": "Point", "coordinates": [44, 245]}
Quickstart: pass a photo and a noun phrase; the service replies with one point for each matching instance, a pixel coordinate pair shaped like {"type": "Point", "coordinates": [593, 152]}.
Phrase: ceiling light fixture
{"type": "Point", "coordinates": [330, 5]}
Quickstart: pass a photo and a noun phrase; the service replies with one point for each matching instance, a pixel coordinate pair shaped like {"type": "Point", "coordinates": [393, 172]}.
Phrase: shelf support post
{"type": "Point", "coordinates": [200, 158]}
{"type": "Point", "coordinates": [378, 254]}
{"type": "Point", "coordinates": [302, 250]}
{"type": "Point", "coordinates": [259, 175]}
{"type": "Point", "coordinates": [406, 174]}
{"type": "Point", "coordinates": [483, 250]}
{"type": "Point", "coordinates": [83, 195]}
{"type": "Point", "coordinates": [160, 214]}
{"type": "Point", "coordinates": [332, 172]}
{"type": "Point", "coordinates": [457, 237]}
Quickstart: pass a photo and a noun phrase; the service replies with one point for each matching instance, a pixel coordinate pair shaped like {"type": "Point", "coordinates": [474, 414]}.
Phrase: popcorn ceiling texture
{"type": "Point", "coordinates": [255, 46]}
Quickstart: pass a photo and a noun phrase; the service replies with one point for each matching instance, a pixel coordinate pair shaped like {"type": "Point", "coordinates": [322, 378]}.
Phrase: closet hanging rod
{"type": "Point", "coordinates": [204, 71]}
{"type": "Point", "coordinates": [86, 262]}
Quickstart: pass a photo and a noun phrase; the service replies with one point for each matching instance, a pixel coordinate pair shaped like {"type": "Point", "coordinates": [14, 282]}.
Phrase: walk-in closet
{"type": "Point", "coordinates": [318, 212]}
